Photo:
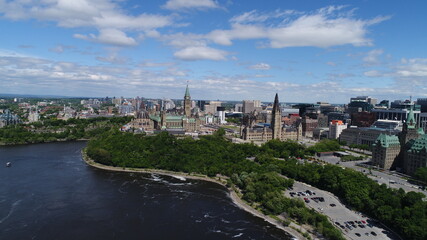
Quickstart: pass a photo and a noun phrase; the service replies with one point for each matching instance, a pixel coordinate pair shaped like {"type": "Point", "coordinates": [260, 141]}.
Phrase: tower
{"type": "Point", "coordinates": [409, 130]}
{"type": "Point", "coordinates": [187, 103]}
{"type": "Point", "coordinates": [276, 119]}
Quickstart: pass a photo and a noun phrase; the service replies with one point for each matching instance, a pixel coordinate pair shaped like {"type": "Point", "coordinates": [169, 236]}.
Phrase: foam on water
{"type": "Point", "coordinates": [12, 208]}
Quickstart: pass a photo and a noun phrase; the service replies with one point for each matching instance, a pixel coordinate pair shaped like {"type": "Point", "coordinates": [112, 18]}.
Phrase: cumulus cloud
{"type": "Point", "coordinates": [99, 14]}
{"type": "Point", "coordinates": [156, 64]}
{"type": "Point", "coordinates": [109, 36]}
{"type": "Point", "coordinates": [201, 53]}
{"type": "Point", "coordinates": [325, 27]}
{"type": "Point", "coordinates": [372, 57]}
{"type": "Point", "coordinates": [41, 76]}
{"type": "Point", "coordinates": [373, 73]}
{"type": "Point", "coordinates": [113, 59]}
{"type": "Point", "coordinates": [260, 66]}
{"type": "Point", "coordinates": [415, 67]}
{"type": "Point", "coordinates": [190, 4]}
{"type": "Point", "coordinates": [60, 48]}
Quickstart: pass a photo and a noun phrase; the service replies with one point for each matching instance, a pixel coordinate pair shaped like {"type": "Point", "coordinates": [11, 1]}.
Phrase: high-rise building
{"type": "Point", "coordinates": [335, 128]}
{"type": "Point", "coordinates": [211, 107]}
{"type": "Point", "coordinates": [423, 104]}
{"type": "Point", "coordinates": [251, 105]}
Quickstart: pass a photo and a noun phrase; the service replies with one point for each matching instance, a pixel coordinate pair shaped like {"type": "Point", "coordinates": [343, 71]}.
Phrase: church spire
{"type": "Point", "coordinates": [276, 119]}
{"type": "Point", "coordinates": [276, 105]}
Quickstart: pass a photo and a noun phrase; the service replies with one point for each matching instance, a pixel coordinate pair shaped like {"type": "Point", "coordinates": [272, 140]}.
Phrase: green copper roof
{"type": "Point", "coordinates": [411, 119]}
{"type": "Point", "coordinates": [174, 118]}
{"type": "Point", "coordinates": [187, 92]}
{"type": "Point", "coordinates": [419, 143]}
{"type": "Point", "coordinates": [387, 140]}
{"type": "Point", "coordinates": [155, 118]}
{"type": "Point", "coordinates": [421, 131]}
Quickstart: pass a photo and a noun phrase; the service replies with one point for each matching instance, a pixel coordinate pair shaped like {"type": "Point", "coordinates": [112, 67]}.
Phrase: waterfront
{"type": "Point", "coordinates": [50, 193]}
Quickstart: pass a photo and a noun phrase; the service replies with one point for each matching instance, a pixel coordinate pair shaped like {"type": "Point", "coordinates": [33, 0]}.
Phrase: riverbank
{"type": "Point", "coordinates": [291, 229]}
{"type": "Point", "coordinates": [56, 140]}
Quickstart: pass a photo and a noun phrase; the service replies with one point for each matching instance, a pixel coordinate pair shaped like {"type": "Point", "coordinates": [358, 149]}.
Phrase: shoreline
{"type": "Point", "coordinates": [291, 229]}
{"type": "Point", "coordinates": [57, 140]}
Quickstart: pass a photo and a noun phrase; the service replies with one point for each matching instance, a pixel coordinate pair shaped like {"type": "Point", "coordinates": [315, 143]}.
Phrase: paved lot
{"type": "Point", "coordinates": [341, 214]}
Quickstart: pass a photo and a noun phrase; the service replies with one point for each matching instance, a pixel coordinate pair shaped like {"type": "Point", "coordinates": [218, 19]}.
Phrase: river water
{"type": "Point", "coordinates": [50, 193]}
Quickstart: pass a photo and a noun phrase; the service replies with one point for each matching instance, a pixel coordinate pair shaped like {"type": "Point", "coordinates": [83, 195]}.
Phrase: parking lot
{"type": "Point", "coordinates": [354, 225]}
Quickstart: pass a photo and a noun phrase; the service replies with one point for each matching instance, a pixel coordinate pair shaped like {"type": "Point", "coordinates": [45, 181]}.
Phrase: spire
{"type": "Point", "coordinates": [187, 92]}
{"type": "Point", "coordinates": [276, 105]}
{"type": "Point", "coordinates": [276, 119]}
{"type": "Point", "coordinates": [411, 119]}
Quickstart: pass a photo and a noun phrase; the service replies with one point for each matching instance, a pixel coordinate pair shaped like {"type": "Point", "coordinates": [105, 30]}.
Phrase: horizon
{"type": "Point", "coordinates": [12, 95]}
{"type": "Point", "coordinates": [307, 52]}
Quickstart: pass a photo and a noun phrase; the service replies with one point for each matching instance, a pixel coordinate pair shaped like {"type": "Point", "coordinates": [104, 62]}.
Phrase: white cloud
{"type": "Point", "coordinates": [113, 59]}
{"type": "Point", "coordinates": [260, 66]}
{"type": "Point", "coordinates": [416, 67]}
{"type": "Point", "coordinates": [156, 64]}
{"type": "Point", "coordinates": [99, 14]}
{"type": "Point", "coordinates": [181, 40]}
{"type": "Point", "coordinates": [60, 48]}
{"type": "Point", "coordinates": [83, 13]}
{"type": "Point", "coordinates": [324, 28]}
{"type": "Point", "coordinates": [109, 36]}
{"type": "Point", "coordinates": [238, 31]}
{"type": "Point", "coordinates": [189, 4]}
{"type": "Point", "coordinates": [373, 73]}
{"type": "Point", "coordinates": [255, 17]}
{"type": "Point", "coordinates": [331, 64]}
{"type": "Point", "coordinates": [371, 57]}
{"type": "Point", "coordinates": [41, 76]}
{"type": "Point", "coordinates": [200, 53]}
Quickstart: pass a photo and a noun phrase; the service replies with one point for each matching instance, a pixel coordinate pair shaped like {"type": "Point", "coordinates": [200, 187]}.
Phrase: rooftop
{"type": "Point", "coordinates": [387, 140]}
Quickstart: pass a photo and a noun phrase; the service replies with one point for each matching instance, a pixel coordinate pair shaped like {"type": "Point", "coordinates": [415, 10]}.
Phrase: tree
{"type": "Point", "coordinates": [421, 174]}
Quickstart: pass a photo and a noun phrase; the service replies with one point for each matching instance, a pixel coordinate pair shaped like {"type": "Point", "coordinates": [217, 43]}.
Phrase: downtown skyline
{"type": "Point", "coordinates": [229, 50]}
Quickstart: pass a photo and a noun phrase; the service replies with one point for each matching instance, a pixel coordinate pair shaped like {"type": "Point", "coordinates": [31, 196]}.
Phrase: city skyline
{"type": "Point", "coordinates": [228, 50]}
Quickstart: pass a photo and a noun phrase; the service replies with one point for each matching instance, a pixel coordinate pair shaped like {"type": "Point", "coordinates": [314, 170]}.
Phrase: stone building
{"type": "Point", "coordinates": [412, 144]}
{"type": "Point", "coordinates": [385, 150]}
{"type": "Point", "coordinates": [186, 121]}
{"type": "Point", "coordinates": [416, 156]}
{"type": "Point", "coordinates": [266, 132]}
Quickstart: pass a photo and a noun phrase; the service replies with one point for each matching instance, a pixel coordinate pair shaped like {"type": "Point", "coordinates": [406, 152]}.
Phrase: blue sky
{"type": "Point", "coordinates": [307, 51]}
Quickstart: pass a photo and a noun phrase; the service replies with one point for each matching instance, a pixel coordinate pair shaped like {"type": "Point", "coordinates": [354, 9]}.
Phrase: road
{"type": "Point", "coordinates": [390, 179]}
{"type": "Point", "coordinates": [338, 213]}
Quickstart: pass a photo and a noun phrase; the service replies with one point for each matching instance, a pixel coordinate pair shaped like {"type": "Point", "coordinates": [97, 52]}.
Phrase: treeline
{"type": "Point", "coordinates": [59, 130]}
{"type": "Point", "coordinates": [255, 170]}
{"type": "Point", "coordinates": [259, 182]}
{"type": "Point", "coordinates": [405, 213]}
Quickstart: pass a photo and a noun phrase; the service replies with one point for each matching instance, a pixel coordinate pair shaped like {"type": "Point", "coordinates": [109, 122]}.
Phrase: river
{"type": "Point", "coordinates": [50, 193]}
